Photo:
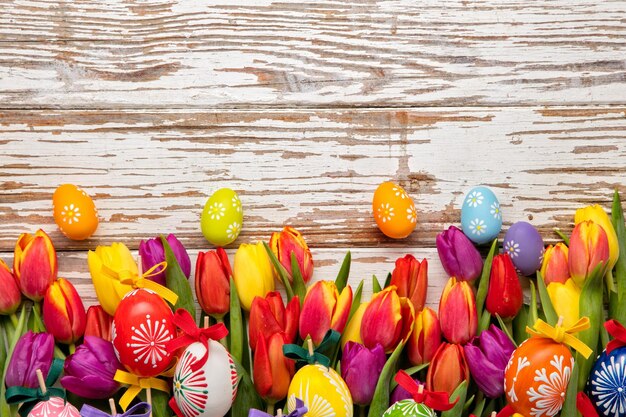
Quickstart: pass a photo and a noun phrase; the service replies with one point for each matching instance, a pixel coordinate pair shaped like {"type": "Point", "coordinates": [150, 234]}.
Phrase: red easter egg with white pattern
{"type": "Point", "coordinates": [142, 326]}
{"type": "Point", "coordinates": [54, 407]}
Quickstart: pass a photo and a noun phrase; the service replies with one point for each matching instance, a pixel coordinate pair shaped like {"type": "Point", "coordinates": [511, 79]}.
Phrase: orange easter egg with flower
{"type": "Point", "coordinates": [74, 212]}
{"type": "Point", "coordinates": [394, 210]}
{"type": "Point", "coordinates": [536, 377]}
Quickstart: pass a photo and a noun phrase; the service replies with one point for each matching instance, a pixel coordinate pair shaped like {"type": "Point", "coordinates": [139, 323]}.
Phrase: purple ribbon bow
{"type": "Point", "coordinates": [300, 411]}
{"type": "Point", "coordinates": [138, 410]}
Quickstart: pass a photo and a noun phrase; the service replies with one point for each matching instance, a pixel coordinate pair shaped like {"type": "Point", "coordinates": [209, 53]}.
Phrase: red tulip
{"type": "Point", "coordinates": [425, 338]}
{"type": "Point", "coordinates": [410, 276]}
{"type": "Point", "coordinates": [457, 311]}
{"type": "Point", "coordinates": [288, 241]}
{"type": "Point", "coordinates": [34, 264]}
{"type": "Point", "coordinates": [269, 316]}
{"type": "Point", "coordinates": [504, 296]}
{"type": "Point", "coordinates": [272, 371]}
{"type": "Point", "coordinates": [98, 323]}
{"type": "Point", "coordinates": [10, 296]}
{"type": "Point", "coordinates": [323, 309]}
{"type": "Point", "coordinates": [212, 282]}
{"type": "Point", "coordinates": [64, 312]}
{"type": "Point", "coordinates": [448, 369]}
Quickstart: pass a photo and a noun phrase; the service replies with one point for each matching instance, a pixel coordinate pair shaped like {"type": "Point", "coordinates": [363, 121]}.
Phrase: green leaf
{"type": "Point", "coordinates": [618, 310]}
{"type": "Point", "coordinates": [282, 272]}
{"type": "Point", "coordinates": [388, 280]}
{"type": "Point", "coordinates": [375, 285]}
{"type": "Point", "coordinates": [459, 393]}
{"type": "Point", "coordinates": [380, 402]}
{"type": "Point", "coordinates": [344, 272]}
{"type": "Point", "coordinates": [480, 405]}
{"type": "Point", "coordinates": [356, 300]}
{"type": "Point", "coordinates": [247, 396]}
{"type": "Point", "coordinates": [483, 286]}
{"type": "Point", "coordinates": [236, 324]}
{"type": "Point", "coordinates": [519, 325]}
{"type": "Point", "coordinates": [410, 371]}
{"type": "Point", "coordinates": [546, 303]}
{"type": "Point", "coordinates": [506, 329]}
{"type": "Point", "coordinates": [569, 406]}
{"type": "Point", "coordinates": [177, 281]}
{"type": "Point", "coordinates": [562, 236]}
{"type": "Point", "coordinates": [299, 288]}
{"type": "Point", "coordinates": [533, 315]}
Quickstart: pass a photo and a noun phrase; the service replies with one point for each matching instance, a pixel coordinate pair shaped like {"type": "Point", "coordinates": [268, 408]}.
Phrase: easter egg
{"type": "Point", "coordinates": [210, 390]}
{"type": "Point", "coordinates": [222, 217]}
{"type": "Point", "coordinates": [142, 326]}
{"type": "Point", "coordinates": [394, 210]}
{"type": "Point", "coordinates": [481, 218]}
{"type": "Point", "coordinates": [54, 407]}
{"type": "Point", "coordinates": [409, 408]}
{"type": "Point", "coordinates": [322, 390]}
{"type": "Point", "coordinates": [536, 377]}
{"type": "Point", "coordinates": [607, 383]}
{"type": "Point", "coordinates": [74, 212]}
{"type": "Point", "coordinates": [524, 245]}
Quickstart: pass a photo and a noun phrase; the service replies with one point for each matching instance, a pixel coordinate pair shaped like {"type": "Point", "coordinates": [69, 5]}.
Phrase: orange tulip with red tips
{"type": "Point", "coordinates": [269, 316]}
{"type": "Point", "coordinates": [10, 296]}
{"type": "Point", "coordinates": [410, 277]}
{"type": "Point", "coordinates": [272, 370]}
{"type": "Point", "coordinates": [457, 311]}
{"type": "Point", "coordinates": [448, 369]}
{"type": "Point", "coordinates": [98, 323]}
{"type": "Point", "coordinates": [588, 247]}
{"type": "Point", "coordinates": [288, 241]}
{"type": "Point", "coordinates": [64, 312]}
{"type": "Point", "coordinates": [425, 338]}
{"type": "Point", "coordinates": [555, 264]}
{"type": "Point", "coordinates": [34, 264]}
{"type": "Point", "coordinates": [323, 309]}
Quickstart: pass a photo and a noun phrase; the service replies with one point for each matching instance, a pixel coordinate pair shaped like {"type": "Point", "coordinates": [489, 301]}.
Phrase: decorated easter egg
{"type": "Point", "coordinates": [536, 377]}
{"type": "Point", "coordinates": [481, 218]}
{"type": "Point", "coordinates": [394, 210]}
{"type": "Point", "coordinates": [54, 407]}
{"type": "Point", "coordinates": [142, 326]}
{"type": "Point", "coordinates": [222, 217]}
{"type": "Point", "coordinates": [409, 408]}
{"type": "Point", "coordinates": [323, 391]}
{"type": "Point", "coordinates": [210, 390]}
{"type": "Point", "coordinates": [607, 383]}
{"type": "Point", "coordinates": [74, 212]}
{"type": "Point", "coordinates": [524, 245]}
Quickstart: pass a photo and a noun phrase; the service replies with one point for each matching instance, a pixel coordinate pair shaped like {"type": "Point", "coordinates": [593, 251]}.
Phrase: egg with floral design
{"type": "Point", "coordinates": [536, 377]}
{"type": "Point", "coordinates": [322, 390]}
{"type": "Point", "coordinates": [409, 408]}
{"type": "Point", "coordinates": [607, 383]}
{"type": "Point", "coordinates": [74, 212]}
{"type": "Point", "coordinates": [481, 217]}
{"type": "Point", "coordinates": [524, 245]}
{"type": "Point", "coordinates": [54, 407]}
{"type": "Point", "coordinates": [222, 217]}
{"type": "Point", "coordinates": [394, 211]}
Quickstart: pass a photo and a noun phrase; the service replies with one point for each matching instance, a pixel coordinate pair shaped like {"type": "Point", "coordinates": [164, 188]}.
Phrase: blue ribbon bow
{"type": "Point", "coordinates": [137, 410]}
{"type": "Point", "coordinates": [300, 411]}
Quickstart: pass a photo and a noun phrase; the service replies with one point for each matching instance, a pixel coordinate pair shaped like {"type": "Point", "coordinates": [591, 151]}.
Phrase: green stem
{"type": "Point", "coordinates": [220, 319]}
{"type": "Point", "coordinates": [58, 353]}
{"type": "Point", "coordinates": [361, 411]}
{"type": "Point", "coordinates": [39, 326]}
{"type": "Point", "coordinates": [270, 409]}
{"type": "Point", "coordinates": [72, 348]}
{"type": "Point", "coordinates": [14, 319]}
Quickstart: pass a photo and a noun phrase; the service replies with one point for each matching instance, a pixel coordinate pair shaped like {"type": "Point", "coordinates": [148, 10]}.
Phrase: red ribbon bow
{"type": "Point", "coordinates": [192, 333]}
{"type": "Point", "coordinates": [439, 401]}
{"type": "Point", "coordinates": [583, 403]}
{"type": "Point", "coordinates": [618, 332]}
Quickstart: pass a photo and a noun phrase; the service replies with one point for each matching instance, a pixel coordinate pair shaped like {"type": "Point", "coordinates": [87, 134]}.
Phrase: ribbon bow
{"type": "Point", "coordinates": [135, 280]}
{"type": "Point", "coordinates": [29, 397]}
{"type": "Point", "coordinates": [618, 332]}
{"type": "Point", "coordinates": [436, 400]}
{"type": "Point", "coordinates": [301, 354]}
{"type": "Point", "coordinates": [300, 411]}
{"type": "Point", "coordinates": [136, 385]}
{"type": "Point", "coordinates": [137, 410]}
{"type": "Point", "coordinates": [193, 333]}
{"type": "Point", "coordinates": [584, 405]}
{"type": "Point", "coordinates": [561, 334]}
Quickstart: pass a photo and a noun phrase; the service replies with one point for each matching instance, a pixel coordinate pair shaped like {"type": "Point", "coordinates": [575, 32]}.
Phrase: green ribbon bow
{"type": "Point", "coordinates": [29, 397]}
{"type": "Point", "coordinates": [300, 354]}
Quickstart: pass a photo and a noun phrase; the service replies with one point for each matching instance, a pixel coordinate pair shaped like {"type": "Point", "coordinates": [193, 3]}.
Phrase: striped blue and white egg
{"type": "Point", "coordinates": [481, 217]}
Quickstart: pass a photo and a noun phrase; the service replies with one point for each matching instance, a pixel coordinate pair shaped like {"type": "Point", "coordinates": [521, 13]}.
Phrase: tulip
{"type": "Point", "coordinates": [352, 332]}
{"type": "Point", "coordinates": [360, 368]}
{"type": "Point", "coordinates": [288, 241]}
{"type": "Point", "coordinates": [98, 323]}
{"type": "Point", "coordinates": [33, 351]}
{"type": "Point", "coordinates": [399, 393]}
{"type": "Point", "coordinates": [588, 247]}
{"type": "Point", "coordinates": [565, 300]}
{"type": "Point", "coordinates": [272, 371]}
{"type": "Point", "coordinates": [90, 370]}
{"type": "Point", "coordinates": [269, 316]}
{"type": "Point", "coordinates": [457, 311]}
{"type": "Point", "coordinates": [323, 309]}
{"type": "Point", "coordinates": [410, 277]}
{"type": "Point", "coordinates": [597, 214]}
{"type": "Point", "coordinates": [64, 312]}
{"type": "Point", "coordinates": [34, 264]}
{"type": "Point", "coordinates": [554, 267]}
{"type": "Point", "coordinates": [253, 273]}
{"type": "Point", "coordinates": [213, 282]}
{"type": "Point", "coordinates": [10, 296]}
{"type": "Point", "coordinates": [448, 369]}
{"type": "Point", "coordinates": [388, 320]}
{"type": "Point", "coordinates": [504, 296]}
{"type": "Point", "coordinates": [458, 255]}
{"type": "Point", "coordinates": [425, 338]}
{"type": "Point", "coordinates": [153, 253]}
{"type": "Point", "coordinates": [487, 355]}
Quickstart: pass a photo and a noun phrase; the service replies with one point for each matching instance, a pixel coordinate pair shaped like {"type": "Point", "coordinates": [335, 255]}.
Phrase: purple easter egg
{"type": "Point", "coordinates": [524, 245]}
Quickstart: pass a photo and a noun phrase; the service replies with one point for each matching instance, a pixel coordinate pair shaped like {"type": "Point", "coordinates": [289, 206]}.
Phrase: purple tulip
{"type": "Point", "coordinates": [487, 356]}
{"type": "Point", "coordinates": [399, 394]}
{"type": "Point", "coordinates": [361, 368]}
{"type": "Point", "coordinates": [458, 255]}
{"type": "Point", "coordinates": [33, 351]}
{"type": "Point", "coordinates": [152, 253]}
{"type": "Point", "coordinates": [90, 370]}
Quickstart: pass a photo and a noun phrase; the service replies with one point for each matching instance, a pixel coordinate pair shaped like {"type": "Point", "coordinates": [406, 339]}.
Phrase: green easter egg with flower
{"type": "Point", "coordinates": [222, 217]}
{"type": "Point", "coordinates": [409, 408]}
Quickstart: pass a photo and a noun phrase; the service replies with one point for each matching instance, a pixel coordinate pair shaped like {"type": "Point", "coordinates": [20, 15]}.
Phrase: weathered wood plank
{"type": "Point", "coordinates": [186, 53]}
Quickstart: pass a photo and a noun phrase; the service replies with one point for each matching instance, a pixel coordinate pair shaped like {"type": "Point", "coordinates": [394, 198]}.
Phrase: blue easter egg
{"type": "Point", "coordinates": [481, 218]}
{"type": "Point", "coordinates": [524, 245]}
{"type": "Point", "coordinates": [607, 383]}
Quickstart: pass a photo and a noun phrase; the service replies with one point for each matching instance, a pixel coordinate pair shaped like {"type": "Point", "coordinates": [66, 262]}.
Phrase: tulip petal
{"type": "Point", "coordinates": [317, 311]}
{"type": "Point", "coordinates": [382, 320]}
{"type": "Point", "coordinates": [342, 310]}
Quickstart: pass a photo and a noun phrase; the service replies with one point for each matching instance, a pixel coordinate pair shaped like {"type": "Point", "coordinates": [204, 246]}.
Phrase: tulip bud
{"type": "Point", "coordinates": [272, 371]}
{"type": "Point", "coordinates": [64, 312]}
{"type": "Point", "coordinates": [352, 332]}
{"type": "Point", "coordinates": [253, 273]}
{"type": "Point", "coordinates": [457, 311]}
{"type": "Point", "coordinates": [152, 253]}
{"type": "Point", "coordinates": [98, 323]}
{"type": "Point", "coordinates": [597, 214]}
{"type": "Point", "coordinates": [504, 296]}
{"type": "Point", "coordinates": [458, 255]}
{"type": "Point", "coordinates": [10, 296]}
{"type": "Point", "coordinates": [34, 264]}
{"type": "Point", "coordinates": [425, 338]}
{"type": "Point", "coordinates": [33, 351]}
{"type": "Point", "coordinates": [288, 241]}
{"type": "Point", "coordinates": [555, 267]}
{"type": "Point", "coordinates": [410, 277]}
{"type": "Point", "coordinates": [448, 369]}
{"type": "Point", "coordinates": [360, 369]}
{"type": "Point", "coordinates": [269, 316]}
{"type": "Point", "coordinates": [323, 309]}
{"type": "Point", "coordinates": [213, 282]}
{"type": "Point", "coordinates": [588, 247]}
{"type": "Point", "coordinates": [565, 299]}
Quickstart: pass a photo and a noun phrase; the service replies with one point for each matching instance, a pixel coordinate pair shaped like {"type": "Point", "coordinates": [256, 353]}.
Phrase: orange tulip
{"type": "Point", "coordinates": [504, 296]}
{"type": "Point", "coordinates": [425, 338]}
{"type": "Point", "coordinates": [448, 369]}
{"type": "Point", "coordinates": [213, 282]}
{"type": "Point", "coordinates": [64, 312]}
{"type": "Point", "coordinates": [323, 309]}
{"type": "Point", "coordinates": [457, 312]}
{"type": "Point", "coordinates": [555, 267]}
{"type": "Point", "coordinates": [410, 276]}
{"type": "Point", "coordinates": [272, 371]}
{"type": "Point", "coordinates": [10, 296]}
{"type": "Point", "coordinates": [588, 247]}
{"type": "Point", "coordinates": [98, 323]}
{"type": "Point", "coordinates": [34, 264]}
{"type": "Point", "coordinates": [269, 316]}
{"type": "Point", "coordinates": [288, 241]}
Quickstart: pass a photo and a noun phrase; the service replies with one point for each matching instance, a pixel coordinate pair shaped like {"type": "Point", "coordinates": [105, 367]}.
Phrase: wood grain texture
{"type": "Point", "coordinates": [246, 54]}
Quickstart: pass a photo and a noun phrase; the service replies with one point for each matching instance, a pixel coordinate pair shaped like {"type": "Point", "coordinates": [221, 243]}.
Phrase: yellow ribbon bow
{"type": "Point", "coordinates": [135, 280]}
{"type": "Point", "coordinates": [561, 334]}
{"type": "Point", "coordinates": [136, 384]}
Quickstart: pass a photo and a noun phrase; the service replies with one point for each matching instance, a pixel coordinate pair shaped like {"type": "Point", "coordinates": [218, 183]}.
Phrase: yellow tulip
{"type": "Point", "coordinates": [352, 332]}
{"type": "Point", "coordinates": [597, 214]}
{"type": "Point", "coordinates": [565, 299]}
{"type": "Point", "coordinates": [253, 273]}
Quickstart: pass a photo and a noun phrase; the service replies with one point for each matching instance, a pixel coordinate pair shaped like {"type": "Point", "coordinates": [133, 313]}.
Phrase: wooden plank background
{"type": "Point", "coordinates": [303, 108]}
